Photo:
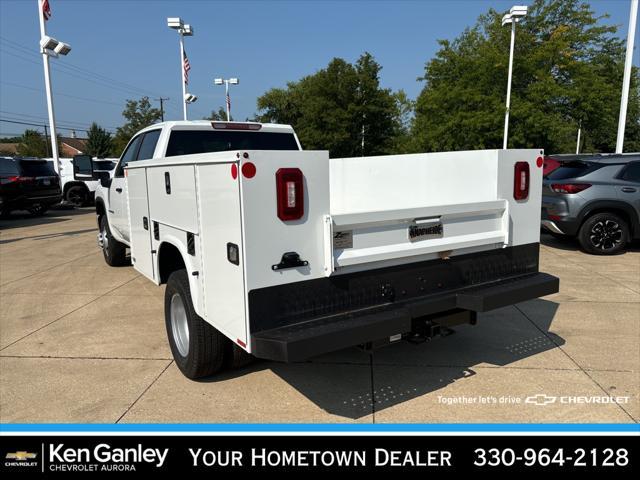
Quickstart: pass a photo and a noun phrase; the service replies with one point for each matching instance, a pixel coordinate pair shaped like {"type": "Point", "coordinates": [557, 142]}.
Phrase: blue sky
{"type": "Point", "coordinates": [123, 49]}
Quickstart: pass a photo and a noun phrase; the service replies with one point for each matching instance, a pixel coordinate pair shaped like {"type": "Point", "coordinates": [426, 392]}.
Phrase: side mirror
{"type": "Point", "coordinates": [104, 177]}
{"type": "Point", "coordinates": [82, 167]}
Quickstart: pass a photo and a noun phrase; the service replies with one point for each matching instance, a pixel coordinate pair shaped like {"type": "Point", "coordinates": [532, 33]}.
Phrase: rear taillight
{"type": "Point", "coordinates": [521, 181]}
{"type": "Point", "coordinates": [11, 179]}
{"type": "Point", "coordinates": [569, 187]}
{"type": "Point", "coordinates": [290, 193]}
{"type": "Point", "coordinates": [16, 179]}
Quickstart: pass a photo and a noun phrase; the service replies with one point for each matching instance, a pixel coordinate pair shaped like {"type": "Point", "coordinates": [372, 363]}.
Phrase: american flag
{"type": "Point", "coordinates": [228, 102]}
{"type": "Point", "coordinates": [46, 10]}
{"type": "Point", "coordinates": [186, 66]}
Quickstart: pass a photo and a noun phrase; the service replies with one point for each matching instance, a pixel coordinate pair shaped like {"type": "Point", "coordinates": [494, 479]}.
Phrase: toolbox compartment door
{"type": "Point", "coordinates": [140, 223]}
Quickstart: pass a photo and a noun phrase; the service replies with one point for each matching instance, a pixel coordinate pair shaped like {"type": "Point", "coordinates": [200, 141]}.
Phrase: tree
{"type": "Point", "coordinates": [332, 108]}
{"type": "Point", "coordinates": [219, 115]}
{"type": "Point", "coordinates": [33, 144]}
{"type": "Point", "coordinates": [99, 142]}
{"type": "Point", "coordinates": [567, 69]}
{"type": "Point", "coordinates": [138, 114]}
{"type": "Point", "coordinates": [404, 142]}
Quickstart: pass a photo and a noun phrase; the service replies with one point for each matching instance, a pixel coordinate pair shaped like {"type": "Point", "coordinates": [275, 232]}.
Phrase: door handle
{"type": "Point", "coordinates": [119, 190]}
{"type": "Point", "coordinates": [167, 183]}
{"type": "Point", "coordinates": [629, 189]}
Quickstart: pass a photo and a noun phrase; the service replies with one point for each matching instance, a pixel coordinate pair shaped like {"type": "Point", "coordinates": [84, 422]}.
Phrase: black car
{"type": "Point", "coordinates": [28, 184]}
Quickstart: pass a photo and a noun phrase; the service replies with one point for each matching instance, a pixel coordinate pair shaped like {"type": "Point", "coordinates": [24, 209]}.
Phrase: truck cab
{"type": "Point", "coordinates": [170, 139]}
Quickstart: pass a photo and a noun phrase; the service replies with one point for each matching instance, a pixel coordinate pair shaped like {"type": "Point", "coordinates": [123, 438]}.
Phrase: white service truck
{"type": "Point", "coordinates": [286, 254]}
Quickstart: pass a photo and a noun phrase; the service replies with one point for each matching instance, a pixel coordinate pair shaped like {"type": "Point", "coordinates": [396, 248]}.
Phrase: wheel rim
{"type": "Point", "coordinates": [36, 209]}
{"type": "Point", "coordinates": [179, 325]}
{"type": "Point", "coordinates": [75, 197]}
{"type": "Point", "coordinates": [606, 235]}
{"type": "Point", "coordinates": [104, 239]}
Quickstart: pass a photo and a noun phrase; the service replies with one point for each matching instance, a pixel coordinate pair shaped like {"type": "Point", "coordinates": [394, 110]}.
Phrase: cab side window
{"type": "Point", "coordinates": [148, 145]}
{"type": "Point", "coordinates": [129, 155]}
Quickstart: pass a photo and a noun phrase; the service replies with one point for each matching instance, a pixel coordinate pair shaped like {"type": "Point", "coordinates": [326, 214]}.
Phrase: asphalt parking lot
{"type": "Point", "coordinates": [84, 342]}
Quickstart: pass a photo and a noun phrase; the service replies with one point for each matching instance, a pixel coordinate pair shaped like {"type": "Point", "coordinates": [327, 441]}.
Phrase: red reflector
{"type": "Point", "coordinates": [241, 343]}
{"type": "Point", "coordinates": [234, 171]}
{"type": "Point", "coordinates": [539, 162]}
{"type": "Point", "coordinates": [249, 170]}
{"type": "Point", "coordinates": [554, 218]}
{"type": "Point", "coordinates": [521, 181]}
{"type": "Point", "coordinates": [569, 187]}
{"type": "Point", "coordinates": [290, 193]}
{"type": "Point", "coordinates": [235, 126]}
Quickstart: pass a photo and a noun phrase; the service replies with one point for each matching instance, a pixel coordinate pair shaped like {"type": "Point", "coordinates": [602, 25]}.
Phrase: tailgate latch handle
{"type": "Point", "coordinates": [290, 260]}
{"type": "Point", "coordinates": [427, 221]}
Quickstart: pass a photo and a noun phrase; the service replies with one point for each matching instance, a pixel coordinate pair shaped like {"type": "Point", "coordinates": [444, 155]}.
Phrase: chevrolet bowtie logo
{"type": "Point", "coordinates": [540, 399]}
{"type": "Point", "coordinates": [21, 456]}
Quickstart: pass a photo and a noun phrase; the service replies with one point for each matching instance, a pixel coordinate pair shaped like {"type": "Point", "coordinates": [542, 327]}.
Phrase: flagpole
{"type": "Point", "coordinates": [184, 84]}
{"type": "Point", "coordinates": [226, 89]}
{"type": "Point", "coordinates": [47, 84]}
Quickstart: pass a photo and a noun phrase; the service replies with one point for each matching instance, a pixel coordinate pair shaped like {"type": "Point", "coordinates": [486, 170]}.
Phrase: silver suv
{"type": "Point", "coordinates": [595, 198]}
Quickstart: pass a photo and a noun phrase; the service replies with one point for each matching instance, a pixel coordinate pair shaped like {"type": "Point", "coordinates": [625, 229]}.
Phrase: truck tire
{"type": "Point", "coordinates": [115, 253]}
{"type": "Point", "coordinates": [38, 209]}
{"type": "Point", "coordinates": [236, 357]}
{"type": "Point", "coordinates": [76, 195]}
{"type": "Point", "coordinates": [198, 349]}
{"type": "Point", "coordinates": [603, 234]}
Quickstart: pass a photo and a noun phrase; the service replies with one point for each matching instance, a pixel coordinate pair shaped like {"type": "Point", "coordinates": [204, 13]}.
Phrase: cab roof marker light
{"type": "Point", "coordinates": [235, 126]}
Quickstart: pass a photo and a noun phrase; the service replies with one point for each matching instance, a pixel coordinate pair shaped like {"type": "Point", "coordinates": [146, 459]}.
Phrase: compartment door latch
{"type": "Point", "coordinates": [290, 260]}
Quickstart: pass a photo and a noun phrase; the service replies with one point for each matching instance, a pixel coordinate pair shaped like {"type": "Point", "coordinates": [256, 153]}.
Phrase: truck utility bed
{"type": "Point", "coordinates": [292, 254]}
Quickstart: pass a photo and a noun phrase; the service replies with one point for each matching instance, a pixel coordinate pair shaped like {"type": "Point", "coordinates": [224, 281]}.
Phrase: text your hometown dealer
{"type": "Point", "coordinates": [262, 457]}
{"type": "Point", "coordinates": [103, 453]}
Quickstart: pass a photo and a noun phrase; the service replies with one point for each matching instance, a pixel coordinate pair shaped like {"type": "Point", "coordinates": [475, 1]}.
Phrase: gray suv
{"type": "Point", "coordinates": [595, 198]}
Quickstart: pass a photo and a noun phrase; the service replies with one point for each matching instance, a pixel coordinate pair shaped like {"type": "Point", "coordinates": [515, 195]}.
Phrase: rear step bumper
{"type": "Point", "coordinates": [310, 338]}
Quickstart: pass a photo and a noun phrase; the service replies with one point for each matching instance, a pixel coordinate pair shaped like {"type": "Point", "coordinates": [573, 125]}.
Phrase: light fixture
{"type": "Point", "coordinates": [234, 81]}
{"type": "Point", "coordinates": [190, 98]}
{"type": "Point", "coordinates": [62, 48]}
{"type": "Point", "coordinates": [515, 14]}
{"type": "Point", "coordinates": [218, 81]}
{"type": "Point", "coordinates": [187, 31]}
{"type": "Point", "coordinates": [519, 10]}
{"type": "Point", "coordinates": [174, 22]}
{"type": "Point", "coordinates": [48, 43]}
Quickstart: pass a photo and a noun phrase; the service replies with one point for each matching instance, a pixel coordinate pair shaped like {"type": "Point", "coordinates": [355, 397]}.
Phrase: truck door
{"type": "Point", "coordinates": [118, 215]}
{"type": "Point", "coordinates": [139, 222]}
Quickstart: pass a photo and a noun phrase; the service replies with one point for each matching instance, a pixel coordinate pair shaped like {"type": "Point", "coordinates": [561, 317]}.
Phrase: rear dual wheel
{"type": "Point", "coordinates": [198, 349]}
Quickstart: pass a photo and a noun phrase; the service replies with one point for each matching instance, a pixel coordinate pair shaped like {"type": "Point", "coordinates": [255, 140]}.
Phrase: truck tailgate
{"type": "Point", "coordinates": [406, 208]}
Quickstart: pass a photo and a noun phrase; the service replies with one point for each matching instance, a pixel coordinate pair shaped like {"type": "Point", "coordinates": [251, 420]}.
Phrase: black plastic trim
{"type": "Point", "coordinates": [281, 305]}
{"type": "Point", "coordinates": [306, 339]}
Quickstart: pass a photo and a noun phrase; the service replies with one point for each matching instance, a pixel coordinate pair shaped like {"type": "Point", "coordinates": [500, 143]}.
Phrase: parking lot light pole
{"type": "Point", "coordinates": [50, 47]}
{"type": "Point", "coordinates": [512, 18]}
{"type": "Point", "coordinates": [184, 30]}
{"type": "Point", "coordinates": [622, 118]}
{"type": "Point", "coordinates": [226, 83]}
